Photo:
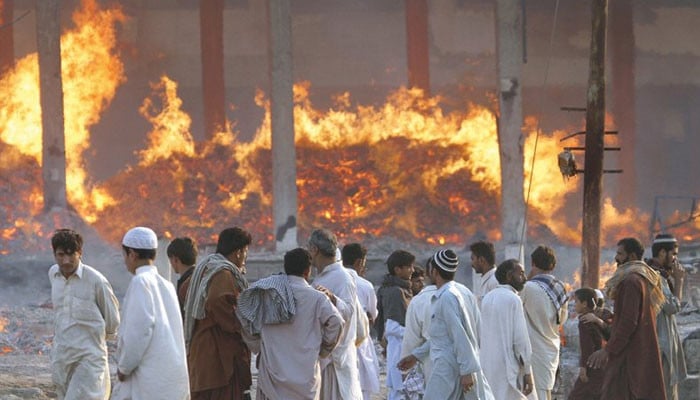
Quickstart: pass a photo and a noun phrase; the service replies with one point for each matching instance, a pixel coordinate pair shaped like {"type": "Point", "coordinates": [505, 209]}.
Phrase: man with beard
{"type": "Point", "coordinates": [86, 312]}
{"type": "Point", "coordinates": [664, 251]}
{"type": "Point", "coordinates": [339, 373]}
{"type": "Point", "coordinates": [631, 357]}
{"type": "Point", "coordinates": [393, 298]}
{"type": "Point", "coordinates": [505, 346]}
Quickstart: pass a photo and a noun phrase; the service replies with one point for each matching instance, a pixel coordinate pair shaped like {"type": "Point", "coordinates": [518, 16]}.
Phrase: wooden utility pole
{"type": "Point", "coordinates": [7, 44]}
{"type": "Point", "coordinates": [48, 38]}
{"type": "Point", "coordinates": [211, 27]}
{"type": "Point", "coordinates": [595, 131]}
{"type": "Point", "coordinates": [622, 54]}
{"type": "Point", "coordinates": [509, 46]}
{"type": "Point", "coordinates": [284, 171]}
{"type": "Point", "coordinates": [417, 49]}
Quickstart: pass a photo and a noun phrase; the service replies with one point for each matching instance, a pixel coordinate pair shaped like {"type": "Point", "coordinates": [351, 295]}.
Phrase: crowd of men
{"type": "Point", "coordinates": [314, 337]}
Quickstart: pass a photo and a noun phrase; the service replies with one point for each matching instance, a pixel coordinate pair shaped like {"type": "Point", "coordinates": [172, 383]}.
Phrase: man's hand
{"type": "Point", "coordinates": [527, 384]}
{"type": "Point", "coordinates": [121, 376]}
{"type": "Point", "coordinates": [591, 318]}
{"type": "Point", "coordinates": [467, 382]}
{"type": "Point", "coordinates": [583, 374]}
{"type": "Point", "coordinates": [677, 271]}
{"type": "Point", "coordinates": [407, 363]}
{"type": "Point", "coordinates": [327, 292]}
{"type": "Point", "coordinates": [598, 359]}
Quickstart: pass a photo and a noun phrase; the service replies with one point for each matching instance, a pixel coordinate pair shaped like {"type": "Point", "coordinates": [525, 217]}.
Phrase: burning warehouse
{"type": "Point", "coordinates": [376, 159]}
{"type": "Point", "coordinates": [375, 119]}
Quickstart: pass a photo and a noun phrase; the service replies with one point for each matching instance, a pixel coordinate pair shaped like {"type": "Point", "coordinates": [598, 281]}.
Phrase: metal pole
{"type": "Point", "coordinates": [595, 130]}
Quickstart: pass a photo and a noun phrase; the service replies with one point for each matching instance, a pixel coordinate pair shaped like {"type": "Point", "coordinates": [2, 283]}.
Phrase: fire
{"type": "Point", "coordinates": [86, 51]}
{"type": "Point", "coordinates": [3, 324]}
{"type": "Point", "coordinates": [408, 168]}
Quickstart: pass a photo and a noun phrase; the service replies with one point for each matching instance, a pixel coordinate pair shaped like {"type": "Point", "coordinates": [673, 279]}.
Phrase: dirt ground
{"type": "Point", "coordinates": [25, 343]}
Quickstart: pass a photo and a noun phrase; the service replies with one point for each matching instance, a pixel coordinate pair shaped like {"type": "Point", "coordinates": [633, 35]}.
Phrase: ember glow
{"type": "Point", "coordinates": [412, 168]}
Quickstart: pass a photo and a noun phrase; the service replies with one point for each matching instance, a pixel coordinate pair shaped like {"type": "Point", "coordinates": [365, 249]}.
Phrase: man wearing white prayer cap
{"type": "Point", "coordinates": [151, 358]}
{"type": "Point", "coordinates": [664, 252]}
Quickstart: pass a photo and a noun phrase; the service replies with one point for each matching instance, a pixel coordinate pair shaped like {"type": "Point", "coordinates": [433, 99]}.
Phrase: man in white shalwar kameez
{"type": "Point", "coordinates": [454, 337]}
{"type": "Point", "coordinates": [289, 351]}
{"type": "Point", "coordinates": [483, 260]}
{"type": "Point", "coordinates": [339, 373]}
{"type": "Point", "coordinates": [354, 257]}
{"type": "Point", "coordinates": [417, 327]}
{"type": "Point", "coordinates": [505, 346]}
{"type": "Point", "coordinates": [86, 312]}
{"type": "Point", "coordinates": [151, 359]}
{"type": "Point", "coordinates": [544, 301]}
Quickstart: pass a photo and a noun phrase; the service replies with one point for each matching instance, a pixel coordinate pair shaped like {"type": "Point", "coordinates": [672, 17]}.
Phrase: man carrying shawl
{"type": "Point", "coordinates": [290, 325]}
{"type": "Point", "coordinates": [219, 360]}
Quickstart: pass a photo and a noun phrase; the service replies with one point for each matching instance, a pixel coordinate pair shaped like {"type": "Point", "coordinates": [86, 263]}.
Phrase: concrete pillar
{"type": "Point", "coordinates": [509, 45]}
{"type": "Point", "coordinates": [211, 28]}
{"type": "Point", "coordinates": [48, 37]}
{"type": "Point", "coordinates": [284, 172]}
{"type": "Point", "coordinates": [417, 48]}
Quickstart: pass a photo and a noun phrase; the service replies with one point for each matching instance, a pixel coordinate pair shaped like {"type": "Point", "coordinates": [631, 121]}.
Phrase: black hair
{"type": "Point", "coordinates": [68, 240]}
{"type": "Point", "coordinates": [297, 262]}
{"type": "Point", "coordinates": [484, 249]}
{"type": "Point", "coordinates": [352, 252]}
{"type": "Point", "coordinates": [184, 249]}
{"type": "Point", "coordinates": [417, 272]}
{"type": "Point", "coordinates": [587, 296]}
{"type": "Point", "coordinates": [232, 239]}
{"type": "Point", "coordinates": [632, 246]}
{"type": "Point", "coordinates": [543, 258]}
{"type": "Point", "coordinates": [399, 258]}
{"type": "Point", "coordinates": [504, 269]}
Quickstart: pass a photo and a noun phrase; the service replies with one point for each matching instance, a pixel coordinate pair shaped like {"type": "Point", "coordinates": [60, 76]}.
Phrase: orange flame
{"type": "Point", "coordinates": [407, 168]}
{"type": "Point", "coordinates": [86, 51]}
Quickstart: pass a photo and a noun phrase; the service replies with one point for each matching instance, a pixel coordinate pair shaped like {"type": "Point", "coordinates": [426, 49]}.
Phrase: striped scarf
{"type": "Point", "coordinates": [554, 288]}
{"type": "Point", "coordinates": [267, 301]}
{"type": "Point", "coordinates": [199, 288]}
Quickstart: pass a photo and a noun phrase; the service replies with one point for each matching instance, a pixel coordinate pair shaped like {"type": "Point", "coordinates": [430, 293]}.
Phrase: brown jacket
{"type": "Point", "coordinates": [217, 355]}
{"type": "Point", "coordinates": [634, 367]}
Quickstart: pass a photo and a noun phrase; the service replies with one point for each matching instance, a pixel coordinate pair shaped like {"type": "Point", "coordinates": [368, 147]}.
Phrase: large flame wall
{"type": "Point", "coordinates": [406, 169]}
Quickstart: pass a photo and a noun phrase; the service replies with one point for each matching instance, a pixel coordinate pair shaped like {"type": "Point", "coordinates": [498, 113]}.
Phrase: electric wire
{"type": "Point", "coordinates": [537, 128]}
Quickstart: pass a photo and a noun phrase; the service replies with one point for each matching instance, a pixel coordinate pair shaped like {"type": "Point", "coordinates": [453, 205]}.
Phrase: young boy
{"type": "Point", "coordinates": [392, 299]}
{"type": "Point", "coordinates": [593, 328]}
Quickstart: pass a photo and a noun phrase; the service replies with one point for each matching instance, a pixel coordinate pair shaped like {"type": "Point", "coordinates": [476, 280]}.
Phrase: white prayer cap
{"type": "Point", "coordinates": [140, 238]}
{"type": "Point", "coordinates": [599, 294]}
{"type": "Point", "coordinates": [446, 260]}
